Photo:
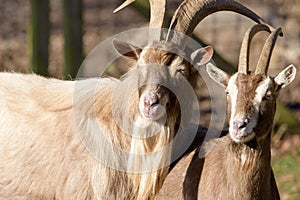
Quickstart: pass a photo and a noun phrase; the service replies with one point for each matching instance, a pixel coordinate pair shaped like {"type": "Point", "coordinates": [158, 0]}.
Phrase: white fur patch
{"type": "Point", "coordinates": [232, 90]}
{"type": "Point", "coordinates": [243, 156]}
{"type": "Point", "coordinates": [261, 91]}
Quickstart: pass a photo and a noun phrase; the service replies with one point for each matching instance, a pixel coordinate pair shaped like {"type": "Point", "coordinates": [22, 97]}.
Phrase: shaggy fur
{"type": "Point", "coordinates": [41, 152]}
{"type": "Point", "coordinates": [92, 138]}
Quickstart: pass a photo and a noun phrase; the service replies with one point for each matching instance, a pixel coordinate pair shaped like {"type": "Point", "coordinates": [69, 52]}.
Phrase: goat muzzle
{"type": "Point", "coordinates": [240, 131]}
{"type": "Point", "coordinates": [153, 105]}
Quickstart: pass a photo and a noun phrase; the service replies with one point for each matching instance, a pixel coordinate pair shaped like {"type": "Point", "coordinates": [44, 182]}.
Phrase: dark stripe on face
{"type": "Point", "coordinates": [247, 85]}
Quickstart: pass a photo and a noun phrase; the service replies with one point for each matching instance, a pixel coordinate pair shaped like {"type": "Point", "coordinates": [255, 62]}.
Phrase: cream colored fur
{"type": "Point", "coordinates": [42, 155]}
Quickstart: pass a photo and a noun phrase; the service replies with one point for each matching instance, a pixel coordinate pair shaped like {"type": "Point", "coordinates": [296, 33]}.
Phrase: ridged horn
{"type": "Point", "coordinates": [266, 53]}
{"type": "Point", "coordinates": [191, 12]}
{"type": "Point", "coordinates": [157, 15]}
{"type": "Point", "coordinates": [243, 66]}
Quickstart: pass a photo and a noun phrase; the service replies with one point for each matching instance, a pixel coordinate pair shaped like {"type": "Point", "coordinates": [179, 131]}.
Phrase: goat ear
{"type": "Point", "coordinates": [127, 49]}
{"type": "Point", "coordinates": [286, 76]}
{"type": "Point", "coordinates": [217, 74]}
{"type": "Point", "coordinates": [202, 56]}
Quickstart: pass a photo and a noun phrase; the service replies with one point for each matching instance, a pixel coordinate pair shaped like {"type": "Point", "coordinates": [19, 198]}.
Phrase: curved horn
{"type": "Point", "coordinates": [191, 12]}
{"type": "Point", "coordinates": [245, 48]}
{"type": "Point", "coordinates": [266, 53]}
{"type": "Point", "coordinates": [157, 15]}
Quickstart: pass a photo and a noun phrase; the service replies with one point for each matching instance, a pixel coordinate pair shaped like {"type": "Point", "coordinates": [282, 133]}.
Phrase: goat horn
{"type": "Point", "coordinates": [123, 5]}
{"type": "Point", "coordinates": [245, 48]}
{"type": "Point", "coordinates": [158, 9]}
{"type": "Point", "coordinates": [191, 12]}
{"type": "Point", "coordinates": [266, 53]}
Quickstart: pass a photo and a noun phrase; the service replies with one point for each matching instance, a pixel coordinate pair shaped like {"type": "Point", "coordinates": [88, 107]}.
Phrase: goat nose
{"type": "Point", "coordinates": [239, 124]}
{"type": "Point", "coordinates": [152, 100]}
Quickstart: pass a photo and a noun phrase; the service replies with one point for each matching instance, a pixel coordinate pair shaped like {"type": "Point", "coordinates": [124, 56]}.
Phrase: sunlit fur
{"type": "Point", "coordinates": [42, 155]}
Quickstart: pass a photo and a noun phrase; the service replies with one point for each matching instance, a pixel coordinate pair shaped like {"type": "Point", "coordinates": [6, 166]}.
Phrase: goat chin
{"type": "Point", "coordinates": [42, 155]}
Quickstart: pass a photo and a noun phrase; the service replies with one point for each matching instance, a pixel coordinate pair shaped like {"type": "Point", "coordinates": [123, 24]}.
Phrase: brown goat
{"type": "Point", "coordinates": [238, 166]}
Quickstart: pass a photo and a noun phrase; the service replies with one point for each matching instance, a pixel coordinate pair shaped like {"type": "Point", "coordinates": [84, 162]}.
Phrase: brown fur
{"type": "Point", "coordinates": [246, 91]}
{"type": "Point", "coordinates": [251, 180]}
{"type": "Point", "coordinates": [240, 170]}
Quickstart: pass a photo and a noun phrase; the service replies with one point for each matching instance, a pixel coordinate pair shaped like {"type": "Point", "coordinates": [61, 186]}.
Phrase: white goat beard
{"type": "Point", "coordinates": [139, 159]}
{"type": "Point", "coordinates": [149, 164]}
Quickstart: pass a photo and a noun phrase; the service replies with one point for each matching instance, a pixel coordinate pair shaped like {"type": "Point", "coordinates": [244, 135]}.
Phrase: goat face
{"type": "Point", "coordinates": [251, 100]}
{"type": "Point", "coordinates": [160, 70]}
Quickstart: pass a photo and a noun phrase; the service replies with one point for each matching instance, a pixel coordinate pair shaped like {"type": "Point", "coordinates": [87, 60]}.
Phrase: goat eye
{"type": "Point", "coordinates": [180, 70]}
{"type": "Point", "coordinates": [226, 92]}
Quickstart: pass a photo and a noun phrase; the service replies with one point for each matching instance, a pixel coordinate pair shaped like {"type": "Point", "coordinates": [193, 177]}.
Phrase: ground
{"type": "Point", "coordinates": [100, 23]}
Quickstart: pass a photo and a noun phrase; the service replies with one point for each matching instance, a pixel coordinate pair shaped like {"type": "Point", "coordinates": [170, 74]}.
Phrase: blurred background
{"type": "Point", "coordinates": [52, 37]}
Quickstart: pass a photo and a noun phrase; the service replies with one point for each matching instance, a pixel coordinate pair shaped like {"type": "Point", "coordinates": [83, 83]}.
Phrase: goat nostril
{"type": "Point", "coordinates": [243, 125]}
{"type": "Point", "coordinates": [151, 101]}
{"type": "Point", "coordinates": [240, 124]}
{"type": "Point", "coordinates": [155, 102]}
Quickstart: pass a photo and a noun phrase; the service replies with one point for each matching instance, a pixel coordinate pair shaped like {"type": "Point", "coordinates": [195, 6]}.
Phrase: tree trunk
{"type": "Point", "coordinates": [39, 36]}
{"type": "Point", "coordinates": [73, 48]}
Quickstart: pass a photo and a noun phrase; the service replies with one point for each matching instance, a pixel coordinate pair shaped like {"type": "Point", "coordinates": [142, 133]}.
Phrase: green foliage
{"type": "Point", "coordinates": [285, 117]}
{"type": "Point", "coordinates": [143, 7]}
{"type": "Point", "coordinates": [287, 173]}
